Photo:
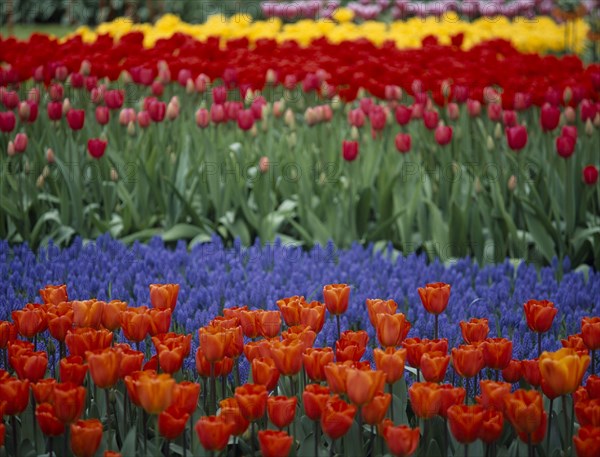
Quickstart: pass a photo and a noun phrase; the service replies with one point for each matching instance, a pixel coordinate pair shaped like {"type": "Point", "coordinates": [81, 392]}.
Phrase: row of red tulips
{"type": "Point", "coordinates": [284, 362]}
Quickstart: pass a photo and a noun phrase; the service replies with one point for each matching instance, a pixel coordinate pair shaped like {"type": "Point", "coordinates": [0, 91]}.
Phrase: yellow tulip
{"type": "Point", "coordinates": [563, 370]}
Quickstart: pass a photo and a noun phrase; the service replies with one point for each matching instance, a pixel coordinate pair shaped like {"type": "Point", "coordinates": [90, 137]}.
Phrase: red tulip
{"type": "Point", "coordinates": [76, 118]}
{"type": "Point", "coordinates": [213, 432]}
{"type": "Point", "coordinates": [7, 121]}
{"type": "Point", "coordinates": [590, 175]}
{"type": "Point", "coordinates": [516, 137]}
{"type": "Point", "coordinates": [96, 147]}
{"type": "Point", "coordinates": [443, 135]}
{"type": "Point", "coordinates": [565, 146]}
{"type": "Point", "coordinates": [274, 443]}
{"type": "Point", "coordinates": [349, 150]}
{"type": "Point", "coordinates": [549, 117]}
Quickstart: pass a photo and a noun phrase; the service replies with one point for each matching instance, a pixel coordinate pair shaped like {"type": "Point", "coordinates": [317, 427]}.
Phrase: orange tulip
{"type": "Point", "coordinates": [303, 333]}
{"type": "Point", "coordinates": [213, 432]}
{"type": "Point", "coordinates": [391, 329]}
{"type": "Point", "coordinates": [60, 320]}
{"type": "Point", "coordinates": [88, 313]}
{"type": "Point", "coordinates": [85, 437]}
{"type": "Point", "coordinates": [135, 323]}
{"type": "Point", "coordinates": [314, 398]}
{"type": "Point", "coordinates": [581, 394]}
{"type": "Point", "coordinates": [474, 331]}
{"type": "Point", "coordinates": [171, 358]}
{"type": "Point", "coordinates": [49, 424]}
{"type": "Point", "coordinates": [265, 372]}
{"type": "Point", "coordinates": [513, 371]}
{"type": "Point", "coordinates": [30, 320]}
{"type": "Point", "coordinates": [497, 353]}
{"type": "Point", "coordinates": [164, 296]}
{"type": "Point", "coordinates": [220, 368]}
{"type": "Point", "coordinates": [531, 372]}
{"type": "Point", "coordinates": [287, 356]}
{"type": "Point", "coordinates": [104, 367]}
{"type": "Point", "coordinates": [434, 297]}
{"type": "Point", "coordinates": [281, 410]}
{"type": "Point", "coordinates": [111, 314]}
{"type": "Point", "coordinates": [252, 400]}
{"type": "Point", "coordinates": [269, 323]}
{"type": "Point", "coordinates": [249, 323]}
{"type": "Point", "coordinates": [313, 315]}
{"type": "Point", "coordinates": [69, 400]}
{"type": "Point", "coordinates": [235, 338]}
{"type": "Point", "coordinates": [155, 392]}
{"type": "Point", "coordinates": [336, 298]}
{"type": "Point", "coordinates": [590, 332]}
{"type": "Point", "coordinates": [592, 386]}
{"type": "Point", "coordinates": [234, 311]}
{"type": "Point", "coordinates": [30, 365]}
{"type": "Point", "coordinates": [537, 436]}
{"type": "Point", "coordinates": [351, 346]}
{"type": "Point", "coordinates": [53, 295]}
{"type": "Point", "coordinates": [434, 366]}
{"type": "Point", "coordinates": [575, 342]}
{"type": "Point", "coordinates": [493, 393]}
{"type": "Point", "coordinates": [336, 373]}
{"type": "Point", "coordinates": [374, 411]}
{"type": "Point", "coordinates": [377, 306]}
{"type": "Point", "coordinates": [563, 370]}
{"type": "Point", "coordinates": [547, 390]}
{"type": "Point", "coordinates": [415, 348]}
{"type": "Point", "coordinates": [160, 321]}
{"type": "Point", "coordinates": [171, 422]}
{"type": "Point", "coordinates": [362, 385]}
{"type": "Point", "coordinates": [588, 412]}
{"type": "Point", "coordinates": [539, 315]}
{"type": "Point", "coordinates": [290, 309]}
{"type": "Point", "coordinates": [254, 349]}
{"type": "Point", "coordinates": [587, 441]}
{"type": "Point", "coordinates": [230, 411]}
{"type": "Point", "coordinates": [337, 417]}
{"type": "Point", "coordinates": [401, 439]}
{"type": "Point", "coordinates": [43, 390]}
{"type": "Point", "coordinates": [8, 333]}
{"type": "Point", "coordinates": [524, 410]}
{"type": "Point", "coordinates": [425, 399]}
{"type": "Point", "coordinates": [72, 370]}
{"type": "Point", "coordinates": [81, 340]}
{"type": "Point", "coordinates": [15, 392]}
{"type": "Point", "coordinates": [465, 422]}
{"type": "Point", "coordinates": [213, 341]}
{"type": "Point", "coordinates": [185, 396]}
{"type": "Point", "coordinates": [391, 362]}
{"type": "Point", "coordinates": [225, 323]}
{"type": "Point", "coordinates": [314, 360]}
{"type": "Point", "coordinates": [274, 443]}
{"type": "Point", "coordinates": [467, 360]}
{"type": "Point", "coordinates": [450, 396]}
{"type": "Point", "coordinates": [491, 426]}
{"type": "Point", "coordinates": [130, 361]}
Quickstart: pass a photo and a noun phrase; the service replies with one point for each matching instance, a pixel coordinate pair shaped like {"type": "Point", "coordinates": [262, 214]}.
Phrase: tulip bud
{"type": "Point", "coordinates": [114, 176]}
{"type": "Point", "coordinates": [289, 118]}
{"type": "Point", "coordinates": [512, 183]}
{"type": "Point", "coordinates": [597, 120]}
{"type": "Point", "coordinates": [61, 73]}
{"type": "Point", "coordinates": [278, 108]}
{"type": "Point", "coordinates": [162, 65]}
{"type": "Point", "coordinates": [46, 171]}
{"type": "Point", "coordinates": [567, 95]}
{"type": "Point", "coordinates": [271, 77]}
{"type": "Point", "coordinates": [49, 155]}
{"type": "Point", "coordinates": [478, 187]}
{"type": "Point", "coordinates": [354, 133]}
{"type": "Point", "coordinates": [291, 139]}
{"type": "Point", "coordinates": [202, 118]}
{"type": "Point", "coordinates": [263, 164]}
{"type": "Point", "coordinates": [33, 95]}
{"type": "Point", "coordinates": [24, 111]}
{"type": "Point", "coordinates": [490, 143]}
{"type": "Point", "coordinates": [190, 87]}
{"type": "Point", "coordinates": [66, 106]}
{"type": "Point", "coordinates": [570, 115]}
{"type": "Point", "coordinates": [10, 149]}
{"type": "Point", "coordinates": [20, 142]}
{"type": "Point", "coordinates": [336, 103]}
{"type": "Point", "coordinates": [131, 128]}
{"type": "Point", "coordinates": [453, 111]}
{"type": "Point", "coordinates": [143, 118]}
{"type": "Point", "coordinates": [589, 127]}
{"type": "Point", "coordinates": [164, 75]}
{"type": "Point", "coordinates": [201, 82]}
{"type": "Point", "coordinates": [125, 77]}
{"type": "Point", "coordinates": [85, 67]}
{"type": "Point", "coordinates": [498, 131]}
{"type": "Point", "coordinates": [172, 110]}
{"type": "Point", "coordinates": [39, 182]}
{"type": "Point", "coordinates": [27, 167]}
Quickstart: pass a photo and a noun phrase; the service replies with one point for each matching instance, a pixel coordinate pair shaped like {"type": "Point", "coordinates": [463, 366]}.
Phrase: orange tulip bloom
{"type": "Point", "coordinates": [15, 392]}
{"type": "Point", "coordinates": [374, 411]}
{"type": "Point", "coordinates": [252, 400]}
{"type": "Point", "coordinates": [336, 298]}
{"type": "Point", "coordinates": [465, 422]}
{"type": "Point", "coordinates": [290, 309]}
{"type": "Point", "coordinates": [513, 371]}
{"type": "Point", "coordinates": [524, 410]}
{"type": "Point", "coordinates": [391, 362]}
{"type": "Point", "coordinates": [213, 432]}
{"type": "Point", "coordinates": [491, 426]}
{"type": "Point", "coordinates": [60, 320]}
{"type": "Point", "coordinates": [337, 417]}
{"type": "Point", "coordinates": [474, 331]}
{"type": "Point", "coordinates": [171, 358]}
{"type": "Point", "coordinates": [281, 410]}
{"type": "Point", "coordinates": [467, 360]}
{"type": "Point", "coordinates": [230, 411]}
{"type": "Point", "coordinates": [43, 390]}
{"type": "Point", "coordinates": [85, 437]}
{"type": "Point", "coordinates": [30, 365]}
{"type": "Point", "coordinates": [497, 353]}
{"type": "Point", "coordinates": [538, 435]}
{"type": "Point", "coordinates": [104, 367]}
{"type": "Point", "coordinates": [8, 333]}
{"type": "Point", "coordinates": [171, 422]}
{"type": "Point", "coordinates": [563, 370]}
{"type": "Point", "coordinates": [575, 342]}
{"type": "Point", "coordinates": [269, 323]}
{"type": "Point", "coordinates": [493, 393]}
{"type": "Point", "coordinates": [47, 420]}
{"type": "Point", "coordinates": [425, 399]}
{"type": "Point", "coordinates": [249, 323]}
{"type": "Point", "coordinates": [53, 295]}
{"type": "Point", "coordinates": [415, 348]}
{"type": "Point", "coordinates": [185, 396]}
{"type": "Point", "coordinates": [434, 366]}
{"type": "Point", "coordinates": [303, 333]}
{"type": "Point", "coordinates": [88, 313]}
{"type": "Point", "coordinates": [401, 439]}
{"type": "Point", "coordinates": [213, 342]}
{"type": "Point", "coordinates": [18, 347]}
{"type": "Point", "coordinates": [588, 412]}
{"type": "Point", "coordinates": [590, 332]}
{"type": "Point", "coordinates": [69, 400]}
{"type": "Point", "coordinates": [362, 385]}
{"type": "Point", "coordinates": [72, 370]}
{"type": "Point", "coordinates": [336, 373]}
{"type": "Point", "coordinates": [314, 398]}
{"type": "Point", "coordinates": [225, 323]}
{"type": "Point", "coordinates": [131, 360]}
{"type": "Point", "coordinates": [154, 391]}
{"type": "Point", "coordinates": [581, 394]}
{"type": "Point", "coordinates": [203, 366]}
{"type": "Point", "coordinates": [235, 342]}
{"type": "Point", "coordinates": [314, 360]}
{"type": "Point", "coordinates": [81, 340]}
{"type": "Point", "coordinates": [539, 315]}
{"type": "Point", "coordinates": [253, 349]}
{"type": "Point", "coordinates": [135, 323]}
{"type": "Point", "coordinates": [450, 396]}
{"type": "Point", "coordinates": [111, 314]}
{"type": "Point", "coordinates": [392, 329]}
{"type": "Point", "coordinates": [377, 306]}
{"type": "Point", "coordinates": [164, 296]}
{"type": "Point", "coordinates": [30, 320]}
{"type": "Point", "coordinates": [531, 372]}
{"type": "Point", "coordinates": [587, 441]}
{"type": "Point", "coordinates": [265, 372]}
{"type": "Point", "coordinates": [351, 346]}
{"type": "Point", "coordinates": [592, 386]}
{"type": "Point", "coordinates": [287, 356]}
{"type": "Point", "coordinates": [434, 297]}
{"type": "Point", "coordinates": [313, 315]}
{"type": "Point", "coordinates": [160, 321]}
{"type": "Point", "coordinates": [234, 311]}
{"type": "Point", "coordinates": [274, 443]}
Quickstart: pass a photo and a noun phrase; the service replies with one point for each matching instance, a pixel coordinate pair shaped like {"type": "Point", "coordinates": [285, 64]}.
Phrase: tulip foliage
{"type": "Point", "coordinates": [111, 391]}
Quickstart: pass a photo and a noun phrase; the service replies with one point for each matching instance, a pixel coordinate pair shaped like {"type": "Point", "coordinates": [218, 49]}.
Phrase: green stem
{"type": "Point", "coordinates": [316, 453]}
{"type": "Point", "coordinates": [156, 435]}
{"type": "Point", "coordinates": [108, 424]}
{"type": "Point", "coordinates": [13, 424]}
{"type": "Point", "coordinates": [213, 390]}
{"type": "Point", "coordinates": [539, 343]}
{"type": "Point", "coordinates": [549, 426]}
{"type": "Point", "coordinates": [360, 431]}
{"type": "Point", "coordinates": [33, 422]}
{"type": "Point", "coordinates": [566, 443]}
{"type": "Point", "coordinates": [391, 388]}
{"type": "Point", "coordinates": [337, 318]}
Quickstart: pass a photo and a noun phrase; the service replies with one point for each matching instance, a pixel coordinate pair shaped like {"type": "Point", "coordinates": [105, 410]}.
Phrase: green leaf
{"type": "Point", "coordinates": [363, 211]}
{"type": "Point", "coordinates": [130, 442]}
{"type": "Point", "coordinates": [542, 239]}
{"type": "Point", "coordinates": [182, 231]}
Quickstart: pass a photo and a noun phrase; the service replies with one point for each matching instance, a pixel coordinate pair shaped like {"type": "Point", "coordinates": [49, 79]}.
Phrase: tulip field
{"type": "Point", "coordinates": [330, 229]}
